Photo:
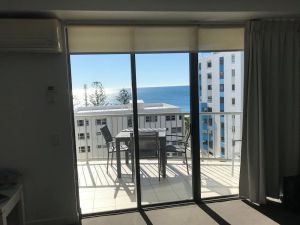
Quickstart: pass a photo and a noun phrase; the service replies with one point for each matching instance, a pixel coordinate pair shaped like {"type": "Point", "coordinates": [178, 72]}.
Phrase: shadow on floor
{"type": "Point", "coordinates": [277, 212]}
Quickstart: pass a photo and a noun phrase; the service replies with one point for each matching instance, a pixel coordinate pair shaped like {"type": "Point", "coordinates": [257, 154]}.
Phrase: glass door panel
{"type": "Point", "coordinates": [163, 122]}
{"type": "Point", "coordinates": [102, 110]}
{"type": "Point", "coordinates": [221, 104]}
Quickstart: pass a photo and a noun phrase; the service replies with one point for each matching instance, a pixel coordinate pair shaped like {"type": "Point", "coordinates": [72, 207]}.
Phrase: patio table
{"type": "Point", "coordinates": [124, 136]}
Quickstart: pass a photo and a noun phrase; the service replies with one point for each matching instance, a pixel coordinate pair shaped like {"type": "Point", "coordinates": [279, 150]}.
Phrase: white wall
{"type": "Point", "coordinates": [27, 124]}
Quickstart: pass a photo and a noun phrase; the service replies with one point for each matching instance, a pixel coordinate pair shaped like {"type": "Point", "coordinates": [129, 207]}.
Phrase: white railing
{"type": "Point", "coordinates": [219, 132]}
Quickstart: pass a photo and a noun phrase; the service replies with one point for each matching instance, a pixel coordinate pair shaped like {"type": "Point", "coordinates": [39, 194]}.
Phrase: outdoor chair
{"type": "Point", "coordinates": [179, 145]}
{"type": "Point", "coordinates": [111, 145]}
{"type": "Point", "coordinates": [148, 142]}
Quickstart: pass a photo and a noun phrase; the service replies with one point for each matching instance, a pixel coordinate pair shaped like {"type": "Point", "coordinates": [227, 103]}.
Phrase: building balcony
{"type": "Point", "coordinates": [102, 190]}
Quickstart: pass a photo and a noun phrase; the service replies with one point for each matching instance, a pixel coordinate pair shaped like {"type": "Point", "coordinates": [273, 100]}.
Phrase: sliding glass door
{"type": "Point", "coordinates": [154, 96]}
{"type": "Point", "coordinates": [102, 99]}
{"type": "Point", "coordinates": [164, 127]}
{"type": "Point", "coordinates": [220, 106]}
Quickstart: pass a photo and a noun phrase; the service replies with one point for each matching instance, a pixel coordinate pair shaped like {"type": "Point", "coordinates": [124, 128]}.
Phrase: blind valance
{"type": "Point", "coordinates": [130, 39]}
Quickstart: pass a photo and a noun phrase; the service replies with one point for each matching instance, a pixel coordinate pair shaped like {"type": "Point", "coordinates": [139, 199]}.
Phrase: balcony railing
{"type": "Point", "coordinates": [102, 190]}
{"type": "Point", "coordinates": [220, 132]}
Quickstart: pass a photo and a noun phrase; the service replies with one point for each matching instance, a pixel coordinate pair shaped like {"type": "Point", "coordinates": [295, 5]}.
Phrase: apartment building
{"type": "Point", "coordinates": [221, 93]}
{"type": "Point", "coordinates": [90, 143]}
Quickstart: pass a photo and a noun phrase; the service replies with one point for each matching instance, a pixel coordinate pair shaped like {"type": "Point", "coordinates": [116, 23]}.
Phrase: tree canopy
{"type": "Point", "coordinates": [124, 96]}
{"type": "Point", "coordinates": [98, 97]}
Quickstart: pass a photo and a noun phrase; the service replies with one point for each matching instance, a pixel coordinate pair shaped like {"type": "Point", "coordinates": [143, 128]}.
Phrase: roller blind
{"type": "Point", "coordinates": [128, 39]}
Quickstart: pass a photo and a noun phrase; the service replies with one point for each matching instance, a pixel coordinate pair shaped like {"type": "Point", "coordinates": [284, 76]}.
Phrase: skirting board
{"type": "Point", "coordinates": [55, 221]}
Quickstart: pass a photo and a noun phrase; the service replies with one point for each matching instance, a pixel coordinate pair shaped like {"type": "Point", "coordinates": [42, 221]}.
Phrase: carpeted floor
{"type": "Point", "coordinates": [226, 212]}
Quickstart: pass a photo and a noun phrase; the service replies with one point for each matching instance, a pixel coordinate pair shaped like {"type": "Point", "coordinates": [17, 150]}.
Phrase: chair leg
{"type": "Point", "coordinates": [132, 169]}
{"type": "Point", "coordinates": [159, 166]}
{"type": "Point", "coordinates": [187, 165]}
{"type": "Point", "coordinates": [107, 162]}
{"type": "Point", "coordinates": [112, 157]}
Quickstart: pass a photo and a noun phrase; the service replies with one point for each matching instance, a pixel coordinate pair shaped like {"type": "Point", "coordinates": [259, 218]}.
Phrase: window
{"type": "Point", "coordinates": [221, 99]}
{"type": "Point", "coordinates": [81, 136]}
{"type": "Point", "coordinates": [222, 150]}
{"type": "Point", "coordinates": [233, 129]}
{"type": "Point", "coordinates": [98, 133]}
{"type": "Point", "coordinates": [232, 58]}
{"type": "Point", "coordinates": [233, 143]}
{"type": "Point", "coordinates": [87, 122]}
{"type": "Point", "coordinates": [209, 76]}
{"type": "Point", "coordinates": [209, 99]}
{"type": "Point", "coordinates": [233, 87]}
{"type": "Point", "coordinates": [233, 72]}
{"type": "Point", "coordinates": [221, 60]}
{"type": "Point", "coordinates": [80, 123]}
{"type": "Point", "coordinates": [170, 118]}
{"type": "Point", "coordinates": [209, 64]}
{"type": "Point", "coordinates": [211, 144]}
{"type": "Point", "coordinates": [101, 121]}
{"type": "Point", "coordinates": [199, 66]}
{"type": "Point", "coordinates": [209, 109]}
{"type": "Point", "coordinates": [180, 117]}
{"type": "Point", "coordinates": [221, 75]}
{"type": "Point", "coordinates": [221, 87]}
{"type": "Point", "coordinates": [82, 149]}
{"type": "Point", "coordinates": [151, 119]}
{"type": "Point", "coordinates": [209, 87]}
{"type": "Point", "coordinates": [175, 130]}
{"type": "Point", "coordinates": [233, 101]}
{"type": "Point", "coordinates": [222, 138]}
{"type": "Point", "coordinates": [101, 146]}
{"type": "Point", "coordinates": [210, 121]}
{"type": "Point", "coordinates": [129, 121]}
{"type": "Point", "coordinates": [222, 125]}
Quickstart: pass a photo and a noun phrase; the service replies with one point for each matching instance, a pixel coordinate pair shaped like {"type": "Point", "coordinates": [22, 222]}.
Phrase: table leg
{"type": "Point", "coordinates": [163, 156]}
{"type": "Point", "coordinates": [127, 154]}
{"type": "Point", "coordinates": [118, 155]}
{"type": "Point", "coordinates": [132, 160]}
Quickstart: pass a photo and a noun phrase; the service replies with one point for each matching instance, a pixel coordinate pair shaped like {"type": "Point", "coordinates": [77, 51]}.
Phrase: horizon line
{"type": "Point", "coordinates": [180, 85]}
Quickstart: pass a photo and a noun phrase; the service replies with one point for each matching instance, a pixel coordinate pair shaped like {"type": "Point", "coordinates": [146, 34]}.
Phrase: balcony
{"type": "Point", "coordinates": [101, 190]}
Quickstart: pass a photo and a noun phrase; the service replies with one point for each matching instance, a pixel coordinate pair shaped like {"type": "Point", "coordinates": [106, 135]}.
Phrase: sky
{"type": "Point", "coordinates": [113, 70]}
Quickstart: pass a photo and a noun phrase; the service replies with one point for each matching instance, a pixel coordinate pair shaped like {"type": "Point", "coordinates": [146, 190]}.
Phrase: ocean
{"type": "Point", "coordinates": [174, 95]}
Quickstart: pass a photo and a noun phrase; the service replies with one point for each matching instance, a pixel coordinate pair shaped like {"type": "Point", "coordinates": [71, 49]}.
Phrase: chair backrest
{"type": "Point", "coordinates": [106, 134]}
{"type": "Point", "coordinates": [148, 144]}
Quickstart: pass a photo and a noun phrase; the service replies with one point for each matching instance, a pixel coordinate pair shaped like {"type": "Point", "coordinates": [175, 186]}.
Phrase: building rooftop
{"type": "Point", "coordinates": [145, 108]}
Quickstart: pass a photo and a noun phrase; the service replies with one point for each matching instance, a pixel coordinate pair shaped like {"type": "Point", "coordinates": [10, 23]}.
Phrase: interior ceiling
{"type": "Point", "coordinates": [165, 17]}
{"type": "Point", "coordinates": [151, 17]}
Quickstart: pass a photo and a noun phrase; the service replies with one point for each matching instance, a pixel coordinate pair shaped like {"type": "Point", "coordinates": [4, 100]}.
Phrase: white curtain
{"type": "Point", "coordinates": [270, 148]}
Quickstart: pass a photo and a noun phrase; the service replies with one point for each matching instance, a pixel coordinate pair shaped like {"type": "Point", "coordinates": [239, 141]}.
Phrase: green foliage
{"type": "Point", "coordinates": [187, 122]}
{"type": "Point", "coordinates": [98, 97]}
{"type": "Point", "coordinates": [124, 96]}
